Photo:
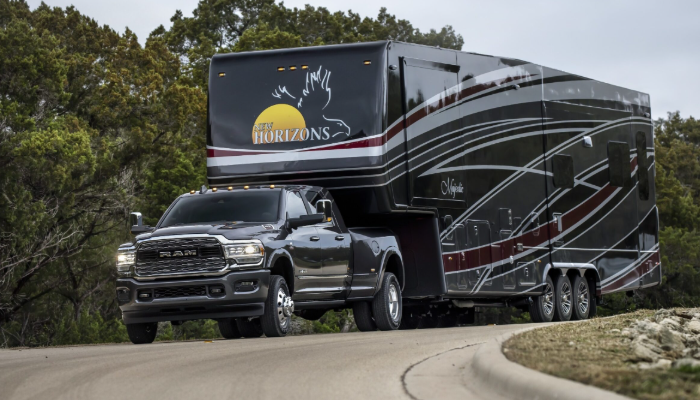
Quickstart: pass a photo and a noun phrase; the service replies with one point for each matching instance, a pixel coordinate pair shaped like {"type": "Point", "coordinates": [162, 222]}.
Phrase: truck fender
{"type": "Point", "coordinates": [385, 262]}
{"type": "Point", "coordinates": [284, 269]}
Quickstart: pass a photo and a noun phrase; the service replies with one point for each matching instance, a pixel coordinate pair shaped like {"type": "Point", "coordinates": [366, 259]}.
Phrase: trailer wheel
{"type": "Point", "coordinates": [142, 333]}
{"type": "Point", "coordinates": [229, 328]}
{"type": "Point", "coordinates": [249, 328]}
{"type": "Point", "coordinates": [581, 298]}
{"type": "Point", "coordinates": [563, 306]}
{"type": "Point", "coordinates": [362, 311]}
{"type": "Point", "coordinates": [542, 308]}
{"type": "Point", "coordinates": [409, 320]}
{"type": "Point", "coordinates": [279, 307]}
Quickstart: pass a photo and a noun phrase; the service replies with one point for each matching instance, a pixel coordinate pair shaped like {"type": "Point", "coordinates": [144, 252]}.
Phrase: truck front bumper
{"type": "Point", "coordinates": [234, 295]}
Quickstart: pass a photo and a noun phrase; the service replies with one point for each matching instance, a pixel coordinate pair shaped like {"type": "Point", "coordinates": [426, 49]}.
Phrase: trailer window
{"type": "Point", "coordinates": [642, 166]}
{"type": "Point", "coordinates": [619, 163]}
{"type": "Point", "coordinates": [563, 170]}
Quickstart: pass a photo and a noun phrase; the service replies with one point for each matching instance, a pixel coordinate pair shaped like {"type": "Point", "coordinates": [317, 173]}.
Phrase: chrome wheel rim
{"type": "Point", "coordinates": [548, 300]}
{"type": "Point", "coordinates": [582, 298]}
{"type": "Point", "coordinates": [285, 308]}
{"type": "Point", "coordinates": [565, 298]}
{"type": "Point", "coordinates": [393, 302]}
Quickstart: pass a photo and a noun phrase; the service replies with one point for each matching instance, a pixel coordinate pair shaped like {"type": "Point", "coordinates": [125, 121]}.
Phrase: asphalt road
{"type": "Point", "coordinates": [333, 366]}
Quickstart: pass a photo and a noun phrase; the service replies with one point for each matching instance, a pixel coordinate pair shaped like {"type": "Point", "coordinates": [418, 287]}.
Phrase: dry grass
{"type": "Point", "coordinates": [589, 353]}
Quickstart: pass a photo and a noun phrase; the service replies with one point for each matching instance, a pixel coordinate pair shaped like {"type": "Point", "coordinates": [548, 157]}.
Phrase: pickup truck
{"type": "Point", "coordinates": [249, 257]}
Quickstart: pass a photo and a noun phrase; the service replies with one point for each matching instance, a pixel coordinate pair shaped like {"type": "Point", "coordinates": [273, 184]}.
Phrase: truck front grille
{"type": "Point", "coordinates": [179, 256]}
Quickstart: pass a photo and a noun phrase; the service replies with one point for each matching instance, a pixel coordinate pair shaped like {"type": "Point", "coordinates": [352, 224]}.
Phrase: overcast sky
{"type": "Point", "coordinates": [647, 45]}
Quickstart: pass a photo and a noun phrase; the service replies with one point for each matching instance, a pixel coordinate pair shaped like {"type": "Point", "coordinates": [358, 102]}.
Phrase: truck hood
{"type": "Point", "coordinates": [239, 231]}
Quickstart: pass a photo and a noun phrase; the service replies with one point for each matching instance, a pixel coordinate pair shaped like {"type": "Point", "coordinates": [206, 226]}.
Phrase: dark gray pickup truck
{"type": "Point", "coordinates": [251, 256]}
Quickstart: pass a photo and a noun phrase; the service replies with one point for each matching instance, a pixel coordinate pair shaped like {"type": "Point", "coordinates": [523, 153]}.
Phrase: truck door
{"type": "Point", "coordinates": [429, 88]}
{"type": "Point", "coordinates": [304, 246]}
{"type": "Point", "coordinates": [334, 250]}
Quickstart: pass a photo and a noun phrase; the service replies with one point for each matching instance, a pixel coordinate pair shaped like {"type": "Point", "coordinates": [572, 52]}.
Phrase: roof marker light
{"type": "Point", "coordinates": [367, 62]}
{"type": "Point", "coordinates": [272, 186]}
{"type": "Point", "coordinates": [191, 191]}
{"type": "Point", "coordinates": [222, 74]}
{"type": "Point", "coordinates": [230, 188]}
{"type": "Point", "coordinates": [292, 67]}
{"type": "Point", "coordinates": [304, 67]}
{"type": "Point", "coordinates": [246, 187]}
{"type": "Point", "coordinates": [280, 68]}
{"type": "Point", "coordinates": [214, 189]}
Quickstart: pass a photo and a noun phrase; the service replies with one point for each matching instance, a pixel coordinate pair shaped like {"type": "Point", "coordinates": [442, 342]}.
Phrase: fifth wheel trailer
{"type": "Point", "coordinates": [526, 171]}
{"type": "Point", "coordinates": [503, 182]}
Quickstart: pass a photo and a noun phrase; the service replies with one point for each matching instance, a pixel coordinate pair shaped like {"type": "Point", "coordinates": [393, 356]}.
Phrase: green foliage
{"type": "Point", "coordinates": [94, 125]}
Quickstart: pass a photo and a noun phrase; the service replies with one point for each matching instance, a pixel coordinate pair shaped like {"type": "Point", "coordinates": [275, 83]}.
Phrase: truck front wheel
{"type": "Point", "coordinates": [387, 304]}
{"type": "Point", "coordinates": [142, 333]}
{"type": "Point", "coordinates": [279, 307]}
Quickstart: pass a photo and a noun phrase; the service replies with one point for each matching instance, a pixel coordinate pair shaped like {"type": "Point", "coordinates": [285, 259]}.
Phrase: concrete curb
{"type": "Point", "coordinates": [513, 380]}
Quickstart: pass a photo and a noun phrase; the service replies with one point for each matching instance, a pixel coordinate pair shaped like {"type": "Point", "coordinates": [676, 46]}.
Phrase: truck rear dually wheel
{"type": "Point", "coordinates": [279, 307]}
{"type": "Point", "coordinates": [142, 333]}
{"type": "Point", "coordinates": [362, 311]}
{"type": "Point", "coordinates": [387, 304]}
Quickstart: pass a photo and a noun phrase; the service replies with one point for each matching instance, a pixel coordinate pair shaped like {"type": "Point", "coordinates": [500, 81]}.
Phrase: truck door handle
{"type": "Point", "coordinates": [315, 238]}
{"type": "Point", "coordinates": [340, 237]}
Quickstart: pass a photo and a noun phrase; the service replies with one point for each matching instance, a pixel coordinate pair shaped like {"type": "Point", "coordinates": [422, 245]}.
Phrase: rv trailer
{"type": "Point", "coordinates": [488, 181]}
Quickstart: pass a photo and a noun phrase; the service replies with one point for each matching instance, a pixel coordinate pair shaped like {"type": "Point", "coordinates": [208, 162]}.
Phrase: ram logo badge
{"type": "Point", "coordinates": [183, 253]}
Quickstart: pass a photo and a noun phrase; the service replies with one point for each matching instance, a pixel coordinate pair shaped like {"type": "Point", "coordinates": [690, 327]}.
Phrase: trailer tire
{"type": "Point", "coordinates": [409, 320]}
{"type": "Point", "coordinates": [277, 319]}
{"type": "Point", "coordinates": [362, 311]}
{"type": "Point", "coordinates": [563, 298]}
{"type": "Point", "coordinates": [581, 296]}
{"type": "Point", "coordinates": [542, 307]}
{"type": "Point", "coordinates": [387, 304]}
{"type": "Point", "coordinates": [249, 328]}
{"type": "Point", "coordinates": [229, 328]}
{"type": "Point", "coordinates": [142, 333]}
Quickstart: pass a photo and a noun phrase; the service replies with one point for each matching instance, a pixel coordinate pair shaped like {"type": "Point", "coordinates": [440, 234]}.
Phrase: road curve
{"type": "Point", "coordinates": [348, 366]}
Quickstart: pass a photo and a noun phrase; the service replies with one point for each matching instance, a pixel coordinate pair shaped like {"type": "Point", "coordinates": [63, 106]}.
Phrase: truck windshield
{"type": "Point", "coordinates": [213, 208]}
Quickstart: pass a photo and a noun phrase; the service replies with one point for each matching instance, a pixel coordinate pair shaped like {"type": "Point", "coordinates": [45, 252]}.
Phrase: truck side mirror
{"type": "Point", "coordinates": [304, 220]}
{"type": "Point", "coordinates": [137, 226]}
{"type": "Point", "coordinates": [325, 207]}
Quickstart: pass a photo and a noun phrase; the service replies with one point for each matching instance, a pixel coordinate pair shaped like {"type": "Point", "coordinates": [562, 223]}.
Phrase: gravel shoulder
{"type": "Point", "coordinates": [644, 355]}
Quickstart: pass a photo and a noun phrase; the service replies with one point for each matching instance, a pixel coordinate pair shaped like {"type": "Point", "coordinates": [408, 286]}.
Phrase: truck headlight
{"type": "Point", "coordinates": [125, 260]}
{"type": "Point", "coordinates": [245, 253]}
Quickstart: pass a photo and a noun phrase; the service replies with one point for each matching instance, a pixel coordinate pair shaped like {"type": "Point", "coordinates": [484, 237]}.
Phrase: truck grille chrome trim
{"type": "Point", "coordinates": [179, 256]}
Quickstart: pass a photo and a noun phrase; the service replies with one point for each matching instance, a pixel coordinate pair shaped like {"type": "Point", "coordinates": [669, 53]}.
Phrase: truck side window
{"type": "Point", "coordinates": [618, 163]}
{"type": "Point", "coordinates": [563, 169]}
{"type": "Point", "coordinates": [642, 166]}
{"type": "Point", "coordinates": [295, 205]}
